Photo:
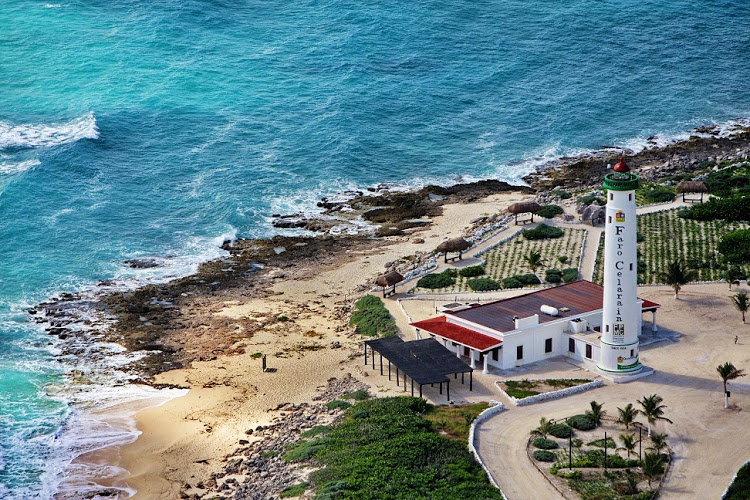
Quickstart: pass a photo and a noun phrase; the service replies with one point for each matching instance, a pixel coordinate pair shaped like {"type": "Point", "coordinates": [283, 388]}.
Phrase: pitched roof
{"type": "Point", "coordinates": [578, 297]}
{"type": "Point", "coordinates": [465, 336]}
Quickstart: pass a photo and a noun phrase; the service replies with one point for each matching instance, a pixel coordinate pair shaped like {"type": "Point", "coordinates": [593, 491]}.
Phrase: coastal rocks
{"type": "Point", "coordinates": [147, 263]}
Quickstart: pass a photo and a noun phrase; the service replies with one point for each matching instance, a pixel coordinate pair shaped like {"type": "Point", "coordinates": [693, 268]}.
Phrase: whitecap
{"type": "Point", "coordinates": [48, 135]}
{"type": "Point", "coordinates": [17, 168]}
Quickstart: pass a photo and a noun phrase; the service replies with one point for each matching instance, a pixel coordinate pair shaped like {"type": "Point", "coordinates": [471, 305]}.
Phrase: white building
{"type": "Point", "coordinates": [563, 320]}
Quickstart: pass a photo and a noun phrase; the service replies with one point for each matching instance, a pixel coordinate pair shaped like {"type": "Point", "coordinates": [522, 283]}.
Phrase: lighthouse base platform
{"type": "Point", "coordinates": [617, 378]}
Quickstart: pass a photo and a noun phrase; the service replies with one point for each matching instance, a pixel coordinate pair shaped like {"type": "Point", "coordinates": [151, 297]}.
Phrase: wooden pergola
{"type": "Point", "coordinates": [389, 280]}
{"type": "Point", "coordinates": [524, 207]}
{"type": "Point", "coordinates": [454, 245]}
{"type": "Point", "coordinates": [692, 187]}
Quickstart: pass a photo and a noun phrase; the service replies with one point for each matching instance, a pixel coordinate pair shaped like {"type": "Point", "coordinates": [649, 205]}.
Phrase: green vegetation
{"type": "Point", "coordinates": [561, 430]}
{"type": "Point", "coordinates": [436, 280]}
{"type": "Point", "coordinates": [570, 274]}
{"type": "Point", "coordinates": [740, 487]}
{"type": "Point", "coordinates": [520, 389]}
{"type": "Point", "coordinates": [317, 430]}
{"type": "Point", "coordinates": [372, 318]}
{"type": "Point", "coordinates": [304, 450]}
{"type": "Point", "coordinates": [385, 447]}
{"type": "Point", "coordinates": [741, 302]}
{"type": "Point", "coordinates": [454, 421]}
{"type": "Point", "coordinates": [564, 195]}
{"type": "Point", "coordinates": [596, 412]}
{"type": "Point", "coordinates": [589, 199]}
{"type": "Point", "coordinates": [553, 276]}
{"type": "Point", "coordinates": [729, 182]}
{"type": "Point", "coordinates": [545, 444]}
{"type": "Point", "coordinates": [542, 232]}
{"type": "Point", "coordinates": [735, 246]}
{"type": "Point", "coordinates": [733, 209]}
{"type": "Point", "coordinates": [544, 456]}
{"type": "Point", "coordinates": [582, 422]}
{"type": "Point", "coordinates": [484, 284]}
{"type": "Point", "coordinates": [648, 194]}
{"type": "Point", "coordinates": [549, 211]}
{"type": "Point", "coordinates": [599, 443]}
{"type": "Point", "coordinates": [728, 372]}
{"type": "Point", "coordinates": [295, 490]}
{"type": "Point", "coordinates": [337, 404]}
{"type": "Point", "coordinates": [511, 283]}
{"type": "Point", "coordinates": [360, 395]}
{"type": "Point", "coordinates": [269, 454]}
{"type": "Point", "coordinates": [256, 355]}
{"type": "Point", "coordinates": [653, 409]}
{"type": "Point", "coordinates": [471, 271]}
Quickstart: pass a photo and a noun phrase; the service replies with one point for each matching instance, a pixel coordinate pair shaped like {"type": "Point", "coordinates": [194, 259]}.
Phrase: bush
{"type": "Point", "coordinates": [576, 474]}
{"type": "Point", "coordinates": [512, 283]}
{"type": "Point", "coordinates": [360, 395]}
{"type": "Point", "coordinates": [570, 274]}
{"type": "Point", "coordinates": [588, 200]}
{"type": "Point", "coordinates": [657, 194]}
{"type": "Point", "coordinates": [564, 195]}
{"type": "Point", "coordinates": [471, 271]}
{"type": "Point", "coordinates": [561, 430]}
{"type": "Point", "coordinates": [581, 422]}
{"type": "Point", "coordinates": [733, 209]}
{"type": "Point", "coordinates": [599, 443]}
{"type": "Point", "coordinates": [316, 430]}
{"type": "Point", "coordinates": [337, 404]}
{"type": "Point", "coordinates": [553, 276]}
{"type": "Point", "coordinates": [549, 211]}
{"type": "Point", "coordinates": [727, 182]}
{"type": "Point", "coordinates": [740, 487]}
{"type": "Point", "coordinates": [542, 232]}
{"type": "Point", "coordinates": [544, 456]}
{"type": "Point", "coordinates": [735, 246]}
{"type": "Point", "coordinates": [528, 279]}
{"type": "Point", "coordinates": [545, 444]}
{"type": "Point", "coordinates": [483, 284]}
{"type": "Point", "coordinates": [294, 490]}
{"type": "Point", "coordinates": [563, 259]}
{"type": "Point", "coordinates": [304, 450]}
{"type": "Point", "coordinates": [372, 318]}
{"type": "Point", "coordinates": [436, 280]}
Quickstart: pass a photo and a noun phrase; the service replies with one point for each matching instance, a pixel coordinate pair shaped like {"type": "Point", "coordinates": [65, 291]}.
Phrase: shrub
{"type": "Point", "coordinates": [576, 474]}
{"type": "Point", "coordinates": [528, 279]}
{"type": "Point", "coordinates": [589, 199]}
{"type": "Point", "coordinates": [735, 246]}
{"type": "Point", "coordinates": [564, 195]}
{"type": "Point", "coordinates": [294, 490]}
{"type": "Point", "coordinates": [657, 194]}
{"type": "Point", "coordinates": [581, 422]}
{"type": "Point", "coordinates": [483, 284]}
{"type": "Point", "coordinates": [563, 259]}
{"type": "Point", "coordinates": [520, 389]}
{"type": "Point", "coordinates": [316, 430]}
{"type": "Point", "coordinates": [337, 404]}
{"type": "Point", "coordinates": [561, 430]}
{"type": "Point", "coordinates": [733, 209]}
{"type": "Point", "coordinates": [471, 271]}
{"type": "Point", "coordinates": [436, 280]}
{"type": "Point", "coordinates": [371, 317]}
{"type": "Point", "coordinates": [599, 443]}
{"type": "Point", "coordinates": [542, 232]}
{"type": "Point", "coordinates": [545, 444]}
{"type": "Point", "coordinates": [553, 276]}
{"type": "Point", "coordinates": [511, 283]}
{"type": "Point", "coordinates": [360, 395]}
{"type": "Point", "coordinates": [304, 450]}
{"type": "Point", "coordinates": [570, 274]}
{"type": "Point", "coordinates": [727, 182]}
{"type": "Point", "coordinates": [544, 456]}
{"type": "Point", "coordinates": [549, 211]}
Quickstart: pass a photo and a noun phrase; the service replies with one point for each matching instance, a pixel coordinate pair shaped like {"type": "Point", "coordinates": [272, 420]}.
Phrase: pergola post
{"type": "Point", "coordinates": [462, 378]}
{"type": "Point", "coordinates": [365, 354]}
{"type": "Point", "coordinates": [441, 387]}
{"type": "Point", "coordinates": [404, 381]}
{"type": "Point", "coordinates": [473, 362]}
{"type": "Point", "coordinates": [654, 328]}
{"type": "Point", "coordinates": [448, 391]}
{"type": "Point", "coordinates": [412, 387]}
{"type": "Point", "coordinates": [471, 380]}
{"type": "Point", "coordinates": [420, 390]}
{"type": "Point", "coordinates": [389, 369]}
{"type": "Point", "coordinates": [397, 377]}
{"type": "Point", "coordinates": [381, 364]}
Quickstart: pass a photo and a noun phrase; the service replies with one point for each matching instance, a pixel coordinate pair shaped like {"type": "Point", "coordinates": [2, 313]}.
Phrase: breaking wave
{"type": "Point", "coordinates": [48, 135]}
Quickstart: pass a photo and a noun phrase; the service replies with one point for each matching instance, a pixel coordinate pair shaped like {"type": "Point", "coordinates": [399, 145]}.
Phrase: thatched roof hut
{"type": "Point", "coordinates": [389, 279]}
{"type": "Point", "coordinates": [524, 207]}
{"type": "Point", "coordinates": [454, 245]}
{"type": "Point", "coordinates": [692, 187]}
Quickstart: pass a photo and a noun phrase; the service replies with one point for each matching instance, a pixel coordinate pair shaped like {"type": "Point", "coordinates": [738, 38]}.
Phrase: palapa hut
{"type": "Point", "coordinates": [389, 279]}
{"type": "Point", "coordinates": [524, 207]}
{"type": "Point", "coordinates": [454, 245]}
{"type": "Point", "coordinates": [692, 187]}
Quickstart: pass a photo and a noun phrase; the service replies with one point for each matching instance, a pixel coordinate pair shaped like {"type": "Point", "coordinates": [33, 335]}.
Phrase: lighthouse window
{"type": "Point", "coordinates": [610, 219]}
{"type": "Point", "coordinates": [548, 345]}
{"type": "Point", "coordinates": [631, 267]}
{"type": "Point", "coordinates": [631, 353]}
{"type": "Point", "coordinates": [611, 196]}
{"type": "Point", "coordinates": [607, 328]}
{"type": "Point", "coordinates": [519, 352]}
{"type": "Point", "coordinates": [588, 351]}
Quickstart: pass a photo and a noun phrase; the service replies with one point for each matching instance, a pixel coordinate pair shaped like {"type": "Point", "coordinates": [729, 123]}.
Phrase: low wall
{"type": "Point", "coordinates": [486, 414]}
{"type": "Point", "coordinates": [554, 394]}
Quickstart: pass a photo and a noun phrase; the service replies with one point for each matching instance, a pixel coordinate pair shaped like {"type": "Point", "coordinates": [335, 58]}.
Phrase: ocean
{"type": "Point", "coordinates": [160, 128]}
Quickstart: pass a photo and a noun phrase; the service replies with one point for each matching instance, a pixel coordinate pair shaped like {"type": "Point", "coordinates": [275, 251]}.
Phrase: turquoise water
{"type": "Point", "coordinates": [132, 128]}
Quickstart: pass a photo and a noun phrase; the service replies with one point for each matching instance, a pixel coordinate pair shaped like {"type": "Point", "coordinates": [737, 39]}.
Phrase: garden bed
{"type": "Point", "coordinates": [520, 389]}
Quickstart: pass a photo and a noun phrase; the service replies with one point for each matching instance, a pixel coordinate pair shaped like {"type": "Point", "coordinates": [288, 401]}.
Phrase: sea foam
{"type": "Point", "coordinates": [48, 135]}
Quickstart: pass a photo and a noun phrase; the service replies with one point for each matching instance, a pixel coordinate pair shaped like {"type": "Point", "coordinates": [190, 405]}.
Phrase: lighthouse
{"type": "Point", "coordinates": [621, 311]}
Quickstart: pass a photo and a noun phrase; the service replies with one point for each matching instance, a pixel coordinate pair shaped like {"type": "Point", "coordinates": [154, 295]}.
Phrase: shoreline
{"type": "Point", "coordinates": [202, 302]}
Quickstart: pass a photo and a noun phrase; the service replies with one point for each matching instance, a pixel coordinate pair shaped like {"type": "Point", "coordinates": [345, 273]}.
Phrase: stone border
{"type": "Point", "coordinates": [486, 414]}
{"type": "Point", "coordinates": [546, 396]}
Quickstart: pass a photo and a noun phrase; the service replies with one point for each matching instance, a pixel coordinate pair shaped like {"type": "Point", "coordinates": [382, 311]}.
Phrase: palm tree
{"type": "Point", "coordinates": [652, 466]}
{"type": "Point", "coordinates": [676, 274]}
{"type": "Point", "coordinates": [577, 444]}
{"type": "Point", "coordinates": [544, 428]}
{"type": "Point", "coordinates": [627, 415]}
{"type": "Point", "coordinates": [731, 275]}
{"type": "Point", "coordinates": [596, 413]}
{"type": "Point", "coordinates": [628, 443]}
{"type": "Point", "coordinates": [658, 442]}
{"type": "Point", "coordinates": [534, 260]}
{"type": "Point", "coordinates": [741, 302]}
{"type": "Point", "coordinates": [653, 410]}
{"type": "Point", "coordinates": [728, 372]}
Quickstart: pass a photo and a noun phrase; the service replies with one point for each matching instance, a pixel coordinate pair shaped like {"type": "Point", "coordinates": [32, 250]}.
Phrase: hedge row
{"type": "Point", "coordinates": [371, 318]}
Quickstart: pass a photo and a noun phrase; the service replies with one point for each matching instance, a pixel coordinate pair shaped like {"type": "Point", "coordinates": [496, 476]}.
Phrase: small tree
{"type": "Point", "coordinates": [728, 372]}
{"type": "Point", "coordinates": [731, 275]}
{"type": "Point", "coordinates": [577, 444]}
{"type": "Point", "coordinates": [545, 426]}
{"type": "Point", "coordinates": [652, 466]}
{"type": "Point", "coordinates": [677, 274]}
{"type": "Point", "coordinates": [658, 442]}
{"type": "Point", "coordinates": [534, 260]}
{"type": "Point", "coordinates": [628, 443]}
{"type": "Point", "coordinates": [653, 410]}
{"type": "Point", "coordinates": [596, 413]}
{"type": "Point", "coordinates": [627, 415]}
{"type": "Point", "coordinates": [742, 302]}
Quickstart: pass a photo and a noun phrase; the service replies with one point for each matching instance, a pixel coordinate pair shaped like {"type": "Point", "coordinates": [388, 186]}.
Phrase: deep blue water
{"type": "Point", "coordinates": [132, 128]}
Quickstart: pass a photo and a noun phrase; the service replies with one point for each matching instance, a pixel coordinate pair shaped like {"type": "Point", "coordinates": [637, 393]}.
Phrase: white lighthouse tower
{"type": "Point", "coordinates": [621, 314]}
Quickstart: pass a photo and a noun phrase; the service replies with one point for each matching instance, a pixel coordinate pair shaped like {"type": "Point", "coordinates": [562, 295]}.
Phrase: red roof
{"type": "Point", "coordinates": [647, 304]}
{"type": "Point", "coordinates": [440, 327]}
{"type": "Point", "coordinates": [621, 166]}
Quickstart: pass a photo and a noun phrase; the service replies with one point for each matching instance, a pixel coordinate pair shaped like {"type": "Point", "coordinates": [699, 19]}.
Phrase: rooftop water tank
{"type": "Point", "coordinates": [551, 311]}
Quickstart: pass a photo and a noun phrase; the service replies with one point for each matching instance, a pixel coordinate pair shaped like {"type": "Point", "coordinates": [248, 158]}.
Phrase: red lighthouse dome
{"type": "Point", "coordinates": [621, 166]}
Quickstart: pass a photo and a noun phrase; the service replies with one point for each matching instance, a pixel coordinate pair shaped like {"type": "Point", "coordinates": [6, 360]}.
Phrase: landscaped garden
{"type": "Point", "coordinates": [603, 456]}
{"type": "Point", "coordinates": [520, 389]}
{"type": "Point", "coordinates": [509, 265]}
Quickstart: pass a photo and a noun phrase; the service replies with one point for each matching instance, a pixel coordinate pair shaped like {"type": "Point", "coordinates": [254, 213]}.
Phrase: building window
{"type": "Point", "coordinates": [519, 352]}
{"type": "Point", "coordinates": [571, 345]}
{"type": "Point", "coordinates": [548, 345]}
{"type": "Point", "coordinates": [589, 351]}
{"type": "Point", "coordinates": [495, 353]}
{"type": "Point", "coordinates": [631, 353]}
